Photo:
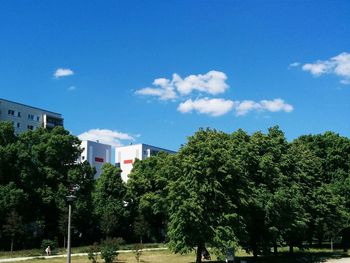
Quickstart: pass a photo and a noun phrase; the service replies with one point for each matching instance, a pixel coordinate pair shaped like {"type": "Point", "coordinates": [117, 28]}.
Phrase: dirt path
{"type": "Point", "coordinates": [341, 260]}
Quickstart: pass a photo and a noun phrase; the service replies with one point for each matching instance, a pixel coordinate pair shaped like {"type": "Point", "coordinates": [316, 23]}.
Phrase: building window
{"type": "Point", "coordinates": [30, 117]}
{"type": "Point", "coordinates": [53, 121]}
{"type": "Point", "coordinates": [30, 127]}
{"type": "Point", "coordinates": [18, 125]}
{"type": "Point", "coordinates": [19, 114]}
{"type": "Point", "coordinates": [11, 112]}
{"type": "Point", "coordinates": [37, 118]}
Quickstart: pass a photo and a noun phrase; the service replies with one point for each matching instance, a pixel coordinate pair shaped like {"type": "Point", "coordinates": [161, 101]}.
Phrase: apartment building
{"type": "Point", "coordinates": [125, 156]}
{"type": "Point", "coordinates": [25, 117]}
{"type": "Point", "coordinates": [97, 154]}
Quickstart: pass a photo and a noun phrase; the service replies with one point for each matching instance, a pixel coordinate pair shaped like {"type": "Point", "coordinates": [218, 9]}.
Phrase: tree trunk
{"type": "Point", "coordinates": [11, 246]}
{"type": "Point", "coordinates": [64, 242]}
{"type": "Point", "coordinates": [310, 243]}
{"type": "Point", "coordinates": [291, 248]}
{"type": "Point", "coordinates": [199, 254]}
{"type": "Point", "coordinates": [275, 248]}
{"type": "Point", "coordinates": [255, 250]}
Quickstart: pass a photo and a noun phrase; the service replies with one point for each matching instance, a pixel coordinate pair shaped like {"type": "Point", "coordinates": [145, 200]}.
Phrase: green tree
{"type": "Point", "coordinates": [287, 214]}
{"type": "Point", "coordinates": [329, 205]}
{"type": "Point", "coordinates": [292, 201]}
{"type": "Point", "coordinates": [7, 133]}
{"type": "Point", "coordinates": [263, 162]}
{"type": "Point", "coordinates": [201, 208]}
{"type": "Point", "coordinates": [13, 226]}
{"type": "Point", "coordinates": [44, 160]}
{"type": "Point", "coordinates": [42, 164]}
{"type": "Point", "coordinates": [147, 193]}
{"type": "Point", "coordinates": [109, 199]}
{"type": "Point", "coordinates": [8, 153]}
{"type": "Point", "coordinates": [329, 213]}
{"type": "Point", "coordinates": [12, 199]}
{"type": "Point", "coordinates": [141, 228]}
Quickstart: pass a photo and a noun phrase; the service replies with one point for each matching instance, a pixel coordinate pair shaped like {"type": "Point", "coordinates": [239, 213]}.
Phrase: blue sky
{"type": "Point", "coordinates": [156, 71]}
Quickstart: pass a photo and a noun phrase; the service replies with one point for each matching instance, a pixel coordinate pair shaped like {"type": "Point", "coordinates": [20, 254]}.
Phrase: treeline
{"type": "Point", "coordinates": [220, 190]}
{"type": "Point", "coordinates": [37, 170]}
{"type": "Point", "coordinates": [256, 191]}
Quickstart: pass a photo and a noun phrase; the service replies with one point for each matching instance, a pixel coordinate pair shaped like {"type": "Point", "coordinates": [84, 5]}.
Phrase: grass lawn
{"type": "Point", "coordinates": [147, 256]}
{"type": "Point", "coordinates": [165, 256]}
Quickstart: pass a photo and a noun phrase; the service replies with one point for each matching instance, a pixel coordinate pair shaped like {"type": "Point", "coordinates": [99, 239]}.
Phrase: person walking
{"type": "Point", "coordinates": [48, 251]}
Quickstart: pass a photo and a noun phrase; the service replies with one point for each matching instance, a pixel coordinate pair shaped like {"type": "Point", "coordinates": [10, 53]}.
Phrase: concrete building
{"type": "Point", "coordinates": [125, 156]}
{"type": "Point", "coordinates": [25, 117]}
{"type": "Point", "coordinates": [96, 154]}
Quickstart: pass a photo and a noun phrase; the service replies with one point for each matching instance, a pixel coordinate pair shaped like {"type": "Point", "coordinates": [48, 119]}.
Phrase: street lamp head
{"type": "Point", "coordinates": [70, 198]}
{"type": "Point", "coordinates": [74, 188]}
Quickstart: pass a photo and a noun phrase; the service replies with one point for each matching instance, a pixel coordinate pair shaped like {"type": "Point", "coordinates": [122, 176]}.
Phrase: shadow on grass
{"type": "Point", "coordinates": [299, 257]}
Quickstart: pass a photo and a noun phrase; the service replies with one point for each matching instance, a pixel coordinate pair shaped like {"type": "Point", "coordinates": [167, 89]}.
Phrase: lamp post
{"type": "Point", "coordinates": [70, 199]}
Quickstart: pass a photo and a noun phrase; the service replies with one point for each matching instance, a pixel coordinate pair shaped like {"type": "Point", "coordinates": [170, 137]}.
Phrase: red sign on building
{"type": "Point", "coordinates": [99, 159]}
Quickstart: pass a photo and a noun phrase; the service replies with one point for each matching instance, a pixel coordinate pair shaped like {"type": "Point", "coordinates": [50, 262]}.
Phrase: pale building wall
{"type": "Point", "coordinates": [125, 156]}
{"type": "Point", "coordinates": [97, 154]}
{"type": "Point", "coordinates": [25, 117]}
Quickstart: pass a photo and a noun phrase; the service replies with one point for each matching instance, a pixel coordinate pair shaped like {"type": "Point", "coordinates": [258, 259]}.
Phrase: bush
{"type": "Point", "coordinates": [138, 251]}
{"type": "Point", "coordinates": [93, 253]}
{"type": "Point", "coordinates": [109, 247]}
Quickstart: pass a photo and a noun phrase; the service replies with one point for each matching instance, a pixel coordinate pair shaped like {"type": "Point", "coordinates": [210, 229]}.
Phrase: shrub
{"type": "Point", "coordinates": [138, 251]}
{"type": "Point", "coordinates": [93, 252]}
{"type": "Point", "coordinates": [109, 247]}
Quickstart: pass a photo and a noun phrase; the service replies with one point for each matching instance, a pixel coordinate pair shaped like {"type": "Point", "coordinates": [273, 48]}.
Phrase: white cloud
{"type": "Point", "coordinates": [71, 88]}
{"type": "Point", "coordinates": [275, 105]}
{"type": "Point", "coordinates": [338, 65]}
{"type": "Point", "coordinates": [166, 91]}
{"type": "Point", "coordinates": [106, 136]}
{"type": "Point", "coordinates": [318, 68]}
{"type": "Point", "coordinates": [294, 64]}
{"type": "Point", "coordinates": [212, 83]}
{"type": "Point", "coordinates": [342, 67]}
{"type": "Point", "coordinates": [212, 107]}
{"type": "Point", "coordinates": [63, 72]}
{"type": "Point", "coordinates": [246, 106]}
{"type": "Point", "coordinates": [345, 81]}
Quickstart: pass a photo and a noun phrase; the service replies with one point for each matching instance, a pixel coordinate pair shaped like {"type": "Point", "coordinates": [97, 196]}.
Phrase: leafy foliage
{"type": "Point", "coordinates": [108, 199]}
{"type": "Point", "coordinates": [109, 249]}
{"type": "Point", "coordinates": [93, 253]}
{"type": "Point", "coordinates": [221, 190]}
{"type": "Point", "coordinates": [36, 170]}
{"type": "Point", "coordinates": [201, 210]}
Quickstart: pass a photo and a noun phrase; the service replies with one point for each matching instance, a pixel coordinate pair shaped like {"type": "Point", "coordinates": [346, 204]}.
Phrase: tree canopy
{"type": "Point", "coordinates": [256, 191]}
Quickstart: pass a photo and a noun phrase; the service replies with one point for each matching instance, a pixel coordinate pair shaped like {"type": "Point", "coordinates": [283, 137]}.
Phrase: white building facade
{"type": "Point", "coordinates": [97, 154]}
{"type": "Point", "coordinates": [25, 117]}
{"type": "Point", "coordinates": [125, 156]}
